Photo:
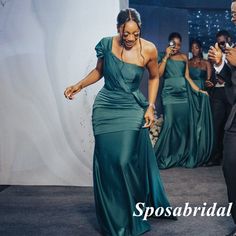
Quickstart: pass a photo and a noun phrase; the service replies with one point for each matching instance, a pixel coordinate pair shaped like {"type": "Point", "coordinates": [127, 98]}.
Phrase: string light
{"type": "Point", "coordinates": [204, 24]}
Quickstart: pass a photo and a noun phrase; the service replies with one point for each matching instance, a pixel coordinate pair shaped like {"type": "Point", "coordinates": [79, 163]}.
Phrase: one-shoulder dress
{"type": "Point", "coordinates": [125, 170]}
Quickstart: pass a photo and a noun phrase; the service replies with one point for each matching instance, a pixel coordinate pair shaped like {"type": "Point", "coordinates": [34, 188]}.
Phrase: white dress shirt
{"type": "Point", "coordinates": [218, 70]}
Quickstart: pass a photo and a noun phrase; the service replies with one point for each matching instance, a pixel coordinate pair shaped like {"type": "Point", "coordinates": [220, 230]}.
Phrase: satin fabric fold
{"type": "Point", "coordinates": [198, 76]}
{"type": "Point", "coordinates": [186, 138]}
{"type": "Point", "coordinates": [125, 171]}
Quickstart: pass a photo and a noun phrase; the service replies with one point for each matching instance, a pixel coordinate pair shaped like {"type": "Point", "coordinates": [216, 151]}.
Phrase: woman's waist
{"type": "Point", "coordinates": [197, 78]}
{"type": "Point", "coordinates": [174, 77]}
{"type": "Point", "coordinates": [120, 98]}
{"type": "Point", "coordinates": [126, 86]}
{"type": "Point", "coordinates": [175, 82]}
{"type": "Point", "coordinates": [175, 87]}
{"type": "Point", "coordinates": [116, 92]}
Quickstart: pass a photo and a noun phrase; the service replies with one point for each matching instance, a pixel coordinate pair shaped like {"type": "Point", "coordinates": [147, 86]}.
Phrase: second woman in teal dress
{"type": "Point", "coordinates": [200, 70]}
{"type": "Point", "coordinates": [186, 137]}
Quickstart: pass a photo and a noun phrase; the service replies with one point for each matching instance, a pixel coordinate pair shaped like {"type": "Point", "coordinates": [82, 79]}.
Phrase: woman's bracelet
{"type": "Point", "coordinates": [164, 60]}
{"type": "Point", "coordinates": [152, 105]}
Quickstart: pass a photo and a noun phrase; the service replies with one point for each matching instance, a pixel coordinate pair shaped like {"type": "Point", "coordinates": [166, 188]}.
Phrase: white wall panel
{"type": "Point", "coordinates": [44, 47]}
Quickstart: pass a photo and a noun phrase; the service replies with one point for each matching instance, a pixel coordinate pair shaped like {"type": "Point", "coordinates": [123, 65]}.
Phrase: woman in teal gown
{"type": "Point", "coordinates": [200, 70]}
{"type": "Point", "coordinates": [125, 171]}
{"type": "Point", "coordinates": [186, 136]}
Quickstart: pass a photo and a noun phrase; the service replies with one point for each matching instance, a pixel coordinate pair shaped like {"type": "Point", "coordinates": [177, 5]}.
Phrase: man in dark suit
{"type": "Point", "coordinates": [227, 70]}
{"type": "Point", "coordinates": [220, 104]}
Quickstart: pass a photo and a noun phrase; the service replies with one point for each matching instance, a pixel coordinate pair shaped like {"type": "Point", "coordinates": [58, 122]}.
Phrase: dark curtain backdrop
{"type": "Point", "coordinates": [192, 19]}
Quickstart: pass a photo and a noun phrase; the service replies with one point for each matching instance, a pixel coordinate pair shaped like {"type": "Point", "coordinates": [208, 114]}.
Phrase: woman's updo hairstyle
{"type": "Point", "coordinates": [126, 15]}
{"type": "Point", "coordinates": [175, 35]}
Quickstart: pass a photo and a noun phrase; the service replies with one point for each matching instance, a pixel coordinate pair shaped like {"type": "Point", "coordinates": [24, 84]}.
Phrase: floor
{"type": "Point", "coordinates": [69, 211]}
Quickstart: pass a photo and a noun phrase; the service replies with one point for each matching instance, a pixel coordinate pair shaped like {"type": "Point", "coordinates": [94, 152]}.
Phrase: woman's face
{"type": "Point", "coordinates": [130, 34]}
{"type": "Point", "coordinates": [195, 49]}
{"type": "Point", "coordinates": [177, 46]}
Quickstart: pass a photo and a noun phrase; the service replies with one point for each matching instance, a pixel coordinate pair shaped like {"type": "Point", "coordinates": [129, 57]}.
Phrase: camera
{"type": "Point", "coordinates": [222, 46]}
{"type": "Point", "coordinates": [172, 44]}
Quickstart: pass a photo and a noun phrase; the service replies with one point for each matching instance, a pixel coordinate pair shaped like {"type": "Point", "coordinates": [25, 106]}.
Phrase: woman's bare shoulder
{"type": "Point", "coordinates": [184, 56]}
{"type": "Point", "coordinates": [206, 62]}
{"type": "Point", "coordinates": [147, 45]}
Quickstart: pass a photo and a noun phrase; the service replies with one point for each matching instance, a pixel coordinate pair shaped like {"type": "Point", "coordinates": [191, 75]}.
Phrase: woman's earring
{"type": "Point", "coordinates": [121, 42]}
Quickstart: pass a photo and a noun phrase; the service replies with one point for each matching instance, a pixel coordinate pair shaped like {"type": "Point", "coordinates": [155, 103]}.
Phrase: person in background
{"type": "Point", "coordinates": [186, 137]}
{"type": "Point", "coordinates": [220, 103]}
{"type": "Point", "coordinates": [200, 70]}
{"type": "Point", "coordinates": [227, 71]}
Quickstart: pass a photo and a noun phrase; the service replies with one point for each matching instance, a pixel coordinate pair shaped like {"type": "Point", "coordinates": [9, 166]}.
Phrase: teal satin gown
{"type": "Point", "coordinates": [186, 137]}
{"type": "Point", "coordinates": [199, 76]}
{"type": "Point", "coordinates": [125, 170]}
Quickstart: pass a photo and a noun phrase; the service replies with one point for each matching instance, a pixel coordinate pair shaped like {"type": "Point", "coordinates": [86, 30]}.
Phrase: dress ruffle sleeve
{"type": "Point", "coordinates": [100, 49]}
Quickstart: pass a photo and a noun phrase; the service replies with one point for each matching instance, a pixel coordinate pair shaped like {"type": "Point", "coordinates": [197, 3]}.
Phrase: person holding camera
{"type": "Point", "coordinates": [227, 70]}
{"type": "Point", "coordinates": [220, 104]}
{"type": "Point", "coordinates": [186, 137]}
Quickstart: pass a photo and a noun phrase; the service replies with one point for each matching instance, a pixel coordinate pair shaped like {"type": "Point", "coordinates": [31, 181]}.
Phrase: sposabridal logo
{"type": "Point", "coordinates": [186, 210]}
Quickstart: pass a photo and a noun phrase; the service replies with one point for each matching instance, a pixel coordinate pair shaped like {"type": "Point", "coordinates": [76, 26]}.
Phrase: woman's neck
{"type": "Point", "coordinates": [196, 59]}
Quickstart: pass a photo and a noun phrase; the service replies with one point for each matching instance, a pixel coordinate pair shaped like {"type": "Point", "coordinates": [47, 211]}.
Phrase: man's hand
{"type": "Point", "coordinates": [231, 56]}
{"type": "Point", "coordinates": [209, 84]}
{"type": "Point", "coordinates": [215, 54]}
{"type": "Point", "coordinates": [220, 81]}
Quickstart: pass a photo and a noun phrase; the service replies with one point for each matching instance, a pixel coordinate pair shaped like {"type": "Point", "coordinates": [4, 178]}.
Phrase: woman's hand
{"type": "Point", "coordinates": [168, 52]}
{"type": "Point", "coordinates": [149, 117]}
{"type": "Point", "coordinates": [72, 90]}
{"type": "Point", "coordinates": [205, 92]}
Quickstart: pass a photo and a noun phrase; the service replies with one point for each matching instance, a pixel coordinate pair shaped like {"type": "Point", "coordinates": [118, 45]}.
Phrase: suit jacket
{"type": "Point", "coordinates": [226, 77]}
{"type": "Point", "coordinates": [228, 74]}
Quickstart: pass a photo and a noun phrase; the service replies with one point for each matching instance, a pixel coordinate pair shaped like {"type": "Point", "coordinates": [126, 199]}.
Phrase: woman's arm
{"type": "Point", "coordinates": [162, 64]}
{"type": "Point", "coordinates": [95, 75]}
{"type": "Point", "coordinates": [187, 76]}
{"type": "Point", "coordinates": [153, 82]}
{"type": "Point", "coordinates": [153, 85]}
